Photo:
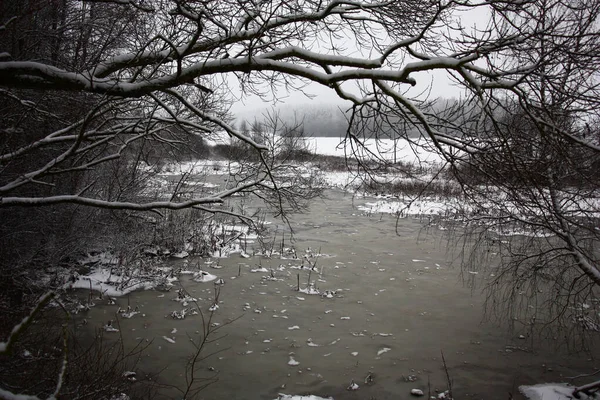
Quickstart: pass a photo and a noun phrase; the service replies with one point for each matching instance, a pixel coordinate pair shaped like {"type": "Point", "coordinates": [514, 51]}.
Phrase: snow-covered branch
{"type": "Point", "coordinates": [75, 199]}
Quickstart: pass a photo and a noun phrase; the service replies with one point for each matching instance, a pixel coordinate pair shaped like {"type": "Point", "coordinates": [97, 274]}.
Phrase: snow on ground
{"type": "Point", "coordinates": [416, 150]}
{"type": "Point", "coordinates": [297, 397]}
{"type": "Point", "coordinates": [110, 278]}
{"type": "Point", "coordinates": [310, 290]}
{"type": "Point", "coordinates": [458, 208]}
{"type": "Point", "coordinates": [553, 391]}
{"type": "Point", "coordinates": [339, 179]}
{"type": "Point", "coordinates": [103, 281]}
{"type": "Point", "coordinates": [449, 208]}
{"type": "Point", "coordinates": [200, 168]}
{"type": "Point", "coordinates": [423, 206]}
{"type": "Point", "coordinates": [203, 276]}
{"type": "Point", "coordinates": [419, 151]}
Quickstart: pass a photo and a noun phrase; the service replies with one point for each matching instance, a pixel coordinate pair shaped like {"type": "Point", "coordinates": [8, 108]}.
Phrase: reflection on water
{"type": "Point", "coordinates": [395, 306]}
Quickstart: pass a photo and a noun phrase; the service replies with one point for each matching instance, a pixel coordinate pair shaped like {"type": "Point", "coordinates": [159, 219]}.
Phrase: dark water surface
{"type": "Point", "coordinates": [400, 286]}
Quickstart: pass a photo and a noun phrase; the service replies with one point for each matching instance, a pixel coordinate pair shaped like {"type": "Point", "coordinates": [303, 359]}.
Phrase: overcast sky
{"type": "Point", "coordinates": [433, 85]}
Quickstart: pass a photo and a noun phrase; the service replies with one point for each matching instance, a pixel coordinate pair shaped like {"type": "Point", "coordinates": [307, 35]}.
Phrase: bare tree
{"type": "Point", "coordinates": [140, 68]}
{"type": "Point", "coordinates": [532, 169]}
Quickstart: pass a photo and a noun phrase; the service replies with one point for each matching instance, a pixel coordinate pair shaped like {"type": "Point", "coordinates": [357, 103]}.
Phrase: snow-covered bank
{"type": "Point", "coordinates": [400, 150]}
{"type": "Point", "coordinates": [110, 279]}
{"type": "Point", "coordinates": [500, 213]}
{"type": "Point", "coordinates": [102, 280]}
{"type": "Point", "coordinates": [555, 391]}
{"type": "Point", "coordinates": [416, 207]}
{"type": "Point", "coordinates": [115, 275]}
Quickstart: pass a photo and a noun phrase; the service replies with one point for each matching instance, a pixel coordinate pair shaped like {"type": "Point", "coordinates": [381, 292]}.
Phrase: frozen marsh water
{"type": "Point", "coordinates": [400, 305]}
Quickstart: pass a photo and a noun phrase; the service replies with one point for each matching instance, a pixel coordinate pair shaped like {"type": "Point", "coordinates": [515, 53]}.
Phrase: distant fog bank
{"type": "Point", "coordinates": [330, 119]}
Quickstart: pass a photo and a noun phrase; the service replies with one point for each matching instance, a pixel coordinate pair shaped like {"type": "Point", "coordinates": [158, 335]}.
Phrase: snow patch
{"type": "Point", "coordinates": [293, 362]}
{"type": "Point", "coordinates": [547, 391]}
{"type": "Point", "coordinates": [297, 397]}
{"type": "Point", "coordinates": [383, 350]}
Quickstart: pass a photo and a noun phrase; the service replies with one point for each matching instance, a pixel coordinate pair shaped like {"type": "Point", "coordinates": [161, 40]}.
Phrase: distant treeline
{"type": "Point", "coordinates": [331, 120]}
